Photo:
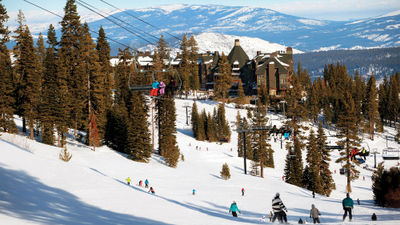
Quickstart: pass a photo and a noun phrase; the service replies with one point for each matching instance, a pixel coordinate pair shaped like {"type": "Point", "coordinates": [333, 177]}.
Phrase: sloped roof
{"type": "Point", "coordinates": [237, 54]}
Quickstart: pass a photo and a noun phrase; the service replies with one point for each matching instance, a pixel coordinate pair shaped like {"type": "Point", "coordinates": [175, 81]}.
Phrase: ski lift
{"type": "Point", "coordinates": [145, 81]}
{"type": "Point", "coordinates": [390, 153]}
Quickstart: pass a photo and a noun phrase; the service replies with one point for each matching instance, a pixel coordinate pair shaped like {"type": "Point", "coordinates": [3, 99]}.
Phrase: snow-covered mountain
{"type": "Point", "coordinates": [301, 33]}
{"type": "Point", "coordinates": [223, 43]}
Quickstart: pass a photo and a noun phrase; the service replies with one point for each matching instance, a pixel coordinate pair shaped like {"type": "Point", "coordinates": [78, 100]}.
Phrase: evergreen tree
{"type": "Point", "coordinates": [259, 138]}
{"type": "Point", "coordinates": [358, 88]}
{"type": "Point", "coordinates": [48, 105]}
{"type": "Point", "coordinates": [372, 105]}
{"type": "Point", "coordinates": [383, 95]}
{"type": "Point", "coordinates": [297, 112]}
{"type": "Point", "coordinates": [326, 175]}
{"type": "Point", "coordinates": [313, 102]}
{"type": "Point", "coordinates": [28, 75]}
{"type": "Point", "coordinates": [68, 53]}
{"type": "Point", "coordinates": [201, 126]}
{"type": "Point", "coordinates": [348, 137]}
{"type": "Point", "coordinates": [223, 78]}
{"type": "Point", "coordinates": [138, 134]}
{"type": "Point", "coordinates": [103, 52]}
{"type": "Point", "coordinates": [194, 119]}
{"type": "Point", "coordinates": [377, 188]}
{"type": "Point", "coordinates": [314, 160]}
{"type": "Point", "coordinates": [241, 96]}
{"type": "Point", "coordinates": [211, 129]}
{"type": "Point", "coordinates": [194, 69]}
{"type": "Point", "coordinates": [7, 101]}
{"type": "Point", "coordinates": [225, 172]}
{"type": "Point", "coordinates": [163, 49]}
{"type": "Point", "coordinates": [117, 126]}
{"type": "Point", "coordinates": [223, 130]}
{"type": "Point", "coordinates": [184, 67]}
{"type": "Point", "coordinates": [167, 135]}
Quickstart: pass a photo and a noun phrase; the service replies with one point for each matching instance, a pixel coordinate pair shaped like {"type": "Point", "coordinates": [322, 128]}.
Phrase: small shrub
{"type": "Point", "coordinates": [225, 173]}
{"type": "Point", "coordinates": [65, 155]}
{"type": "Point", "coordinates": [182, 157]}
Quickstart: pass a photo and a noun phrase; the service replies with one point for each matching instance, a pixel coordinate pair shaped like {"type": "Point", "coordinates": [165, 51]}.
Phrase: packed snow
{"type": "Point", "coordinates": [38, 188]}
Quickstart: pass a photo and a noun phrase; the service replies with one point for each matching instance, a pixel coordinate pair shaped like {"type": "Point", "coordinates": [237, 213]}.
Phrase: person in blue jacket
{"type": "Point", "coordinates": [347, 206]}
{"type": "Point", "coordinates": [233, 209]}
{"type": "Point", "coordinates": [154, 89]}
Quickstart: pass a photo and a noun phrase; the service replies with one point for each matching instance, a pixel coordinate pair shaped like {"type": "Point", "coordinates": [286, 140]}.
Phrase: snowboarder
{"type": "Point", "coordinates": [278, 207]}
{"type": "Point", "coordinates": [242, 191]}
{"type": "Point", "coordinates": [347, 206]}
{"type": "Point", "coordinates": [154, 87]}
{"type": "Point", "coordinates": [152, 190]}
{"type": "Point", "coordinates": [233, 209]}
{"type": "Point", "coordinates": [140, 183]}
{"type": "Point", "coordinates": [162, 88]}
{"type": "Point", "coordinates": [146, 183]}
{"type": "Point", "coordinates": [194, 191]}
{"type": "Point", "coordinates": [314, 214]}
{"type": "Point", "coordinates": [128, 180]}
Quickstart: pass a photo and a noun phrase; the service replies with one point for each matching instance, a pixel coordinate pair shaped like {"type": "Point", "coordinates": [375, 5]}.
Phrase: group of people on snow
{"type": "Point", "coordinates": [146, 184]}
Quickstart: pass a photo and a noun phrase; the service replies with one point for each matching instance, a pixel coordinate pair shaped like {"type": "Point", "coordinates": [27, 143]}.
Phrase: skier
{"type": "Point", "coordinates": [171, 87]}
{"type": "Point", "coordinates": [358, 201]}
{"type": "Point", "coordinates": [233, 209]}
{"type": "Point", "coordinates": [146, 183]}
{"type": "Point", "coordinates": [152, 190]}
{"type": "Point", "coordinates": [140, 183]}
{"type": "Point", "coordinates": [278, 207]}
{"type": "Point", "coordinates": [313, 194]}
{"type": "Point", "coordinates": [347, 206]}
{"type": "Point", "coordinates": [128, 180]}
{"type": "Point", "coordinates": [314, 213]}
{"type": "Point", "coordinates": [154, 87]}
{"type": "Point", "coordinates": [373, 217]}
{"type": "Point", "coordinates": [194, 191]}
{"type": "Point", "coordinates": [162, 88]}
{"type": "Point", "coordinates": [242, 191]}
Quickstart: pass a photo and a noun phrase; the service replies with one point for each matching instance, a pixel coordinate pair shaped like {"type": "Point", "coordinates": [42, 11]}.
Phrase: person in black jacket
{"type": "Point", "coordinates": [278, 207]}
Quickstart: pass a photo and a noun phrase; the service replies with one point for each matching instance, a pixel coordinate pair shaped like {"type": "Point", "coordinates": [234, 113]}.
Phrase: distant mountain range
{"type": "Point", "coordinates": [300, 33]}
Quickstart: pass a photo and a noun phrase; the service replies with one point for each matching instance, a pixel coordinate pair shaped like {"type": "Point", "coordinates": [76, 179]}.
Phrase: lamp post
{"type": "Point", "coordinates": [187, 113]}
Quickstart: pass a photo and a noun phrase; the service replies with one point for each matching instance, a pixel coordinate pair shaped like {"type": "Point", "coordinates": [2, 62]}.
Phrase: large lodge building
{"type": "Point", "coordinates": [271, 70]}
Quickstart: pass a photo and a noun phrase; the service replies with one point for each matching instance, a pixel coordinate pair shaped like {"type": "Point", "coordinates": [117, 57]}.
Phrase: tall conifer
{"type": "Point", "coordinates": [103, 51]}
{"type": "Point", "coordinates": [372, 105]}
{"type": "Point", "coordinates": [314, 160]}
{"type": "Point", "coordinates": [7, 101]}
{"type": "Point", "coordinates": [326, 175]}
{"type": "Point", "coordinates": [223, 78]}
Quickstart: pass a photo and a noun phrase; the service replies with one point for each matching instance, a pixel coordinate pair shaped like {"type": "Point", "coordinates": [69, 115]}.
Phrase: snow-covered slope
{"type": "Point", "coordinates": [223, 43]}
{"type": "Point", "coordinates": [38, 188]}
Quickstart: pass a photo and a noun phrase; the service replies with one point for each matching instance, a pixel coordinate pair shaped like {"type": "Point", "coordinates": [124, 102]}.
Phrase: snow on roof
{"type": "Point", "coordinates": [236, 62]}
{"type": "Point", "coordinates": [280, 62]}
{"type": "Point", "coordinates": [271, 62]}
{"type": "Point", "coordinates": [145, 60]}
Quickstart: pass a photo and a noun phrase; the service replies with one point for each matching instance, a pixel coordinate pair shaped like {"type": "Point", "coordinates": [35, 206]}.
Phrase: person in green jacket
{"type": "Point", "coordinates": [347, 206]}
{"type": "Point", "coordinates": [233, 209]}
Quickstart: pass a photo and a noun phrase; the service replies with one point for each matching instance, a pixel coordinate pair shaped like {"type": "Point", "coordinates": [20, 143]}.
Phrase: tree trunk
{"type": "Point", "coordinates": [31, 129]}
{"type": "Point", "coordinates": [23, 125]}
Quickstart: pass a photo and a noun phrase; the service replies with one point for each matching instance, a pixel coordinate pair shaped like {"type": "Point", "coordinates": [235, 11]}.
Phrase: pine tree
{"type": "Point", "coordinates": [223, 78]}
{"type": "Point", "coordinates": [201, 126]}
{"type": "Point", "coordinates": [314, 160]}
{"type": "Point", "coordinates": [6, 80]}
{"type": "Point", "coordinates": [211, 129]}
{"type": "Point", "coordinates": [103, 51]}
{"type": "Point", "coordinates": [163, 49]}
{"type": "Point", "coordinates": [167, 131]}
{"type": "Point", "coordinates": [259, 138]}
{"type": "Point", "coordinates": [28, 74]}
{"type": "Point", "coordinates": [117, 125]}
{"type": "Point", "coordinates": [358, 95]}
{"type": "Point", "coordinates": [68, 61]}
{"type": "Point", "coordinates": [138, 134]}
{"type": "Point", "coordinates": [326, 175]}
{"type": "Point", "coordinates": [377, 188]}
{"type": "Point", "coordinates": [313, 102]}
{"type": "Point", "coordinates": [223, 130]}
{"type": "Point", "coordinates": [184, 67]}
{"type": "Point", "coordinates": [242, 97]}
{"type": "Point", "coordinates": [194, 69]}
{"type": "Point", "coordinates": [48, 105]}
{"type": "Point", "coordinates": [194, 119]}
{"type": "Point", "coordinates": [372, 105]}
{"type": "Point", "coordinates": [348, 137]}
{"type": "Point", "coordinates": [297, 111]}
{"type": "Point", "coordinates": [225, 172]}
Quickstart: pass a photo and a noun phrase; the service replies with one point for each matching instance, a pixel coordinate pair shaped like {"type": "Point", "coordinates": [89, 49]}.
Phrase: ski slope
{"type": "Point", "coordinates": [38, 188]}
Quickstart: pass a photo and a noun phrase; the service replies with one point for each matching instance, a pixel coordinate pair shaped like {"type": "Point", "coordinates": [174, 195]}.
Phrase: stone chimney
{"type": "Point", "coordinates": [237, 43]}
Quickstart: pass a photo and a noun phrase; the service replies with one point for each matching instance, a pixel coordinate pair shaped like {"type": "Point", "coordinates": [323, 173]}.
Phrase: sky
{"type": "Point", "coordinates": [339, 10]}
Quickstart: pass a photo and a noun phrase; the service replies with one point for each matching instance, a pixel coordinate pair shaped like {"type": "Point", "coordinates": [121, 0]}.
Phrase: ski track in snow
{"type": "Point", "coordinates": [38, 188]}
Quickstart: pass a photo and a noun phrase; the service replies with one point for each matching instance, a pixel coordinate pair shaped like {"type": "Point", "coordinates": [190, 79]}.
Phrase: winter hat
{"type": "Point", "coordinates": [347, 195]}
{"type": "Point", "coordinates": [277, 194]}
